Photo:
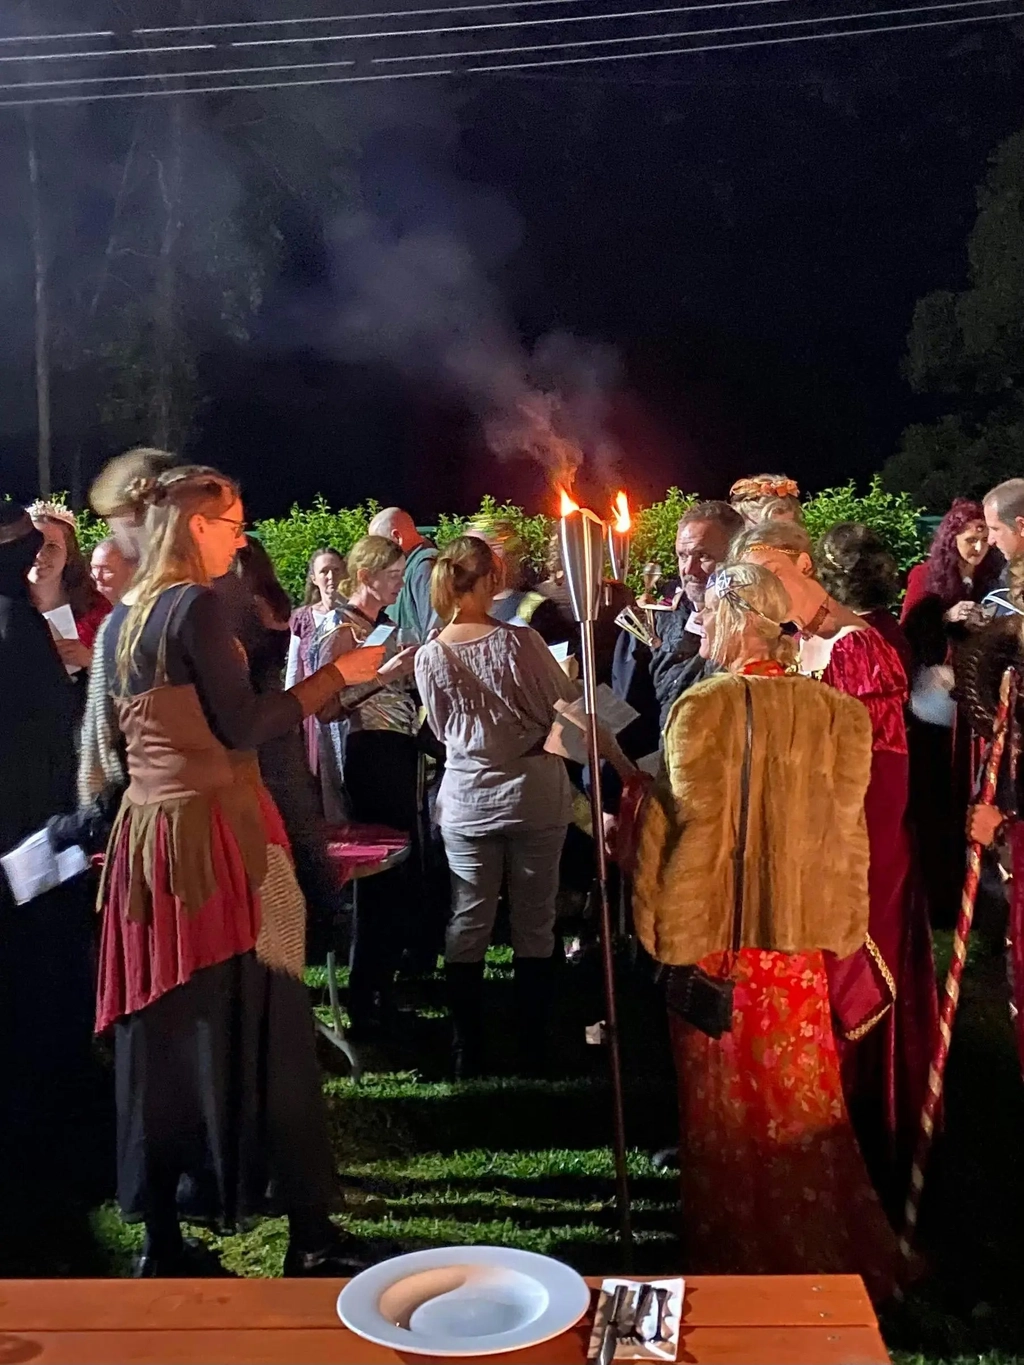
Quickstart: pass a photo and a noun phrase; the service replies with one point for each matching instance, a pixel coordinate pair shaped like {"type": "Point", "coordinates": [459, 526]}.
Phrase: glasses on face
{"type": "Point", "coordinates": [239, 527]}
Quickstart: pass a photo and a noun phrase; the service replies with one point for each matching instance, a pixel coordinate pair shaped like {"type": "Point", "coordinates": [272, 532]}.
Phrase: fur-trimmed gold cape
{"type": "Point", "coordinates": [807, 845]}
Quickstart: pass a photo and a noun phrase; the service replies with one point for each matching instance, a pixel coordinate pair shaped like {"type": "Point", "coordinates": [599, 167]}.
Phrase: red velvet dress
{"type": "Point", "coordinates": [772, 1178]}
{"type": "Point", "coordinates": [884, 997]}
{"type": "Point", "coordinates": [90, 623]}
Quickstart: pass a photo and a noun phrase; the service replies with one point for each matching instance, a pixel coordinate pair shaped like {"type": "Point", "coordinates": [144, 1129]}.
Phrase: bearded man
{"type": "Point", "coordinates": [652, 679]}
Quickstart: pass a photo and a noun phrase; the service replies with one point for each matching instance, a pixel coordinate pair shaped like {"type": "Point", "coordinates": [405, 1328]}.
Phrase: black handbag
{"type": "Point", "coordinates": [696, 997]}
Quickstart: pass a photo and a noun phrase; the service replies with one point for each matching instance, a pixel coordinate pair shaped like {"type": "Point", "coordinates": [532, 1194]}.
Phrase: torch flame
{"type": "Point", "coordinates": [620, 511]}
{"type": "Point", "coordinates": [566, 506]}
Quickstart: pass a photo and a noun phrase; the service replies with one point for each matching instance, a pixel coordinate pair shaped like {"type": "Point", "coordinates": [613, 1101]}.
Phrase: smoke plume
{"type": "Point", "coordinates": [417, 294]}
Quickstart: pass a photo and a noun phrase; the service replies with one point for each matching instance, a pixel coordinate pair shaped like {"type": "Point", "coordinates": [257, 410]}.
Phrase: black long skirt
{"type": "Point", "coordinates": [218, 1096]}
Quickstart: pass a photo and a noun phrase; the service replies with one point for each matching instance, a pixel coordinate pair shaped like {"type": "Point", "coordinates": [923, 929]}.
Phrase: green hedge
{"type": "Point", "coordinates": [290, 540]}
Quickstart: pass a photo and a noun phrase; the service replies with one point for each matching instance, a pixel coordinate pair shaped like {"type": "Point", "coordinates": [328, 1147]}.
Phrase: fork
{"type": "Point", "coordinates": [642, 1305]}
{"type": "Point", "coordinates": [662, 1295]}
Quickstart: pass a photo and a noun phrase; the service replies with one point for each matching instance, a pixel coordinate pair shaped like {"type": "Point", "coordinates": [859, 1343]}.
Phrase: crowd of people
{"type": "Point", "coordinates": [816, 756]}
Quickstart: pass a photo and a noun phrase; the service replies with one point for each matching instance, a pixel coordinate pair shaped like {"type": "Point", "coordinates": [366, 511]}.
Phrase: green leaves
{"type": "Point", "coordinates": [291, 540]}
{"type": "Point", "coordinates": [894, 516]}
{"type": "Point", "coordinates": [534, 531]}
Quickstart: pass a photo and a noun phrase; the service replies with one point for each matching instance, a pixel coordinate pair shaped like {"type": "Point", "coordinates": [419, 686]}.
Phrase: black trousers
{"type": "Point", "coordinates": [381, 770]}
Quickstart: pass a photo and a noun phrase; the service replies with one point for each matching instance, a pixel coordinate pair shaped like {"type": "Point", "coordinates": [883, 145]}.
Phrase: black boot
{"type": "Point", "coordinates": [465, 982]}
{"type": "Point", "coordinates": [533, 985]}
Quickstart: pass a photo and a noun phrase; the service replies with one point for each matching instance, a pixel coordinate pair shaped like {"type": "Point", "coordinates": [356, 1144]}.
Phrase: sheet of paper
{"type": "Point", "coordinates": [613, 713]}
{"type": "Point", "coordinates": [380, 636]}
{"type": "Point", "coordinates": [32, 868]}
{"type": "Point", "coordinates": [62, 624]}
{"type": "Point", "coordinates": [693, 625]}
{"type": "Point", "coordinates": [71, 862]}
{"type": "Point", "coordinates": [566, 740]}
{"type": "Point", "coordinates": [560, 652]}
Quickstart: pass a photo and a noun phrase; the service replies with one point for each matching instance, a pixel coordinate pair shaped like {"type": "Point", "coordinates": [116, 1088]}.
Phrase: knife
{"type": "Point", "coordinates": [610, 1335]}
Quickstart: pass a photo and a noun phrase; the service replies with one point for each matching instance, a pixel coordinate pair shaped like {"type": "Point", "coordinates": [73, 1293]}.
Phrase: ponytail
{"type": "Point", "coordinates": [458, 569]}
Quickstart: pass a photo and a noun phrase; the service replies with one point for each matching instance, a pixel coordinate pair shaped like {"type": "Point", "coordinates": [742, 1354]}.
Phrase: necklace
{"type": "Point", "coordinates": [816, 622]}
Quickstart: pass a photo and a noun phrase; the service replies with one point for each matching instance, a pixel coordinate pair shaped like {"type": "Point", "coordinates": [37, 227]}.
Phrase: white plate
{"type": "Point", "coordinates": [464, 1301]}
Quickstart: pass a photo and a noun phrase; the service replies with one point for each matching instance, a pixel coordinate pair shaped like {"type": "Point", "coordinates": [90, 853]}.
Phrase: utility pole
{"type": "Point", "coordinates": [42, 316]}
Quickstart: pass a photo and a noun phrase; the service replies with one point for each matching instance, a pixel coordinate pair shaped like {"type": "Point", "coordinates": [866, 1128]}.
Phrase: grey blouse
{"type": "Point", "coordinates": [492, 702]}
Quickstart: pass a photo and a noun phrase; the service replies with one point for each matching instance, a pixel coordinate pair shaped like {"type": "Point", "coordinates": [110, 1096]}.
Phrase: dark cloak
{"type": "Point", "coordinates": [46, 947]}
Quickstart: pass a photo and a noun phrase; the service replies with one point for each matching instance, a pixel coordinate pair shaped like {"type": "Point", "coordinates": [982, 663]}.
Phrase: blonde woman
{"type": "Point", "coordinates": [513, 602]}
{"type": "Point", "coordinates": [766, 497]}
{"type": "Point", "coordinates": [760, 808]}
{"type": "Point", "coordinates": [379, 772]}
{"type": "Point", "coordinates": [883, 996]}
{"type": "Point", "coordinates": [202, 950]}
{"type": "Point", "coordinates": [491, 692]}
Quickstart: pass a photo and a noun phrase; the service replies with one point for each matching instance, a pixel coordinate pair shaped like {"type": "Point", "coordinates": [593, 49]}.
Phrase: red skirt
{"type": "Point", "coordinates": [773, 1179]}
{"type": "Point", "coordinates": [141, 961]}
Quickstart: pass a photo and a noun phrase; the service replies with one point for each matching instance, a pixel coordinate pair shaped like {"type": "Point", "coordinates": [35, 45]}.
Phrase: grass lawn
{"type": "Point", "coordinates": [527, 1164]}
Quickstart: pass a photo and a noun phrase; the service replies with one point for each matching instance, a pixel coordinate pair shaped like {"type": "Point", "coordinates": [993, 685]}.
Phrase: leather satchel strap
{"type": "Point", "coordinates": [740, 852]}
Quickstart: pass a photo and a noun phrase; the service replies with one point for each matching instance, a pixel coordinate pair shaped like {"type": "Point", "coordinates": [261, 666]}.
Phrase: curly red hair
{"type": "Point", "coordinates": [945, 576]}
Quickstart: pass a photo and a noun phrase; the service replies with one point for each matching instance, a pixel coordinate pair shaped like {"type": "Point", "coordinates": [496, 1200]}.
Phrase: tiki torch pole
{"type": "Point", "coordinates": [581, 535]}
{"type": "Point", "coordinates": [620, 533]}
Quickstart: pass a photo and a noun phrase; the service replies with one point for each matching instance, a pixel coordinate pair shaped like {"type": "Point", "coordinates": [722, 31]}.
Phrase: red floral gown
{"type": "Point", "coordinates": [773, 1181]}
{"type": "Point", "coordinates": [884, 997]}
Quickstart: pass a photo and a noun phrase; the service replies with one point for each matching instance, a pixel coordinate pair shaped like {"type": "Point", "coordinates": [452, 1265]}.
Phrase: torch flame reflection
{"type": "Point", "coordinates": [566, 506]}
{"type": "Point", "coordinates": [620, 511]}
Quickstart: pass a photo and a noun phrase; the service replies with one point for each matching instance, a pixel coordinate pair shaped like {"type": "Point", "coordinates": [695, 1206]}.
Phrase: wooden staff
{"type": "Point", "coordinates": [951, 999]}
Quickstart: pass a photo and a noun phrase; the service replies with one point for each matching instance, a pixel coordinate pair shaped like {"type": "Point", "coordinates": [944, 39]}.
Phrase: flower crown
{"type": "Point", "coordinates": [51, 511]}
{"type": "Point", "coordinates": [763, 488]}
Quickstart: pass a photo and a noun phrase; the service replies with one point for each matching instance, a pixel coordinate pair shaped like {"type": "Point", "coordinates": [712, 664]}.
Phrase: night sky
{"type": "Point", "coordinates": [749, 230]}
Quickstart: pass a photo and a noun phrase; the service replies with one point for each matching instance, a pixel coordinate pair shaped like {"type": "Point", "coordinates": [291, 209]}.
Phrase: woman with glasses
{"type": "Point", "coordinates": [203, 923]}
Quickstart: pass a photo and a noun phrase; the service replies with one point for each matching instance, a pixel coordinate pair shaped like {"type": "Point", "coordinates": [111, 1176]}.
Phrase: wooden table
{"type": "Point", "coordinates": [763, 1320]}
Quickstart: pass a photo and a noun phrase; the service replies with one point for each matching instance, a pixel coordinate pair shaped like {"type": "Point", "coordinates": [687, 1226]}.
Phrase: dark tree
{"type": "Point", "coordinates": [970, 346]}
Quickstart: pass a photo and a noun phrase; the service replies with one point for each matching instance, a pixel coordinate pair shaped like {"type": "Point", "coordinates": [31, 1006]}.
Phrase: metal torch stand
{"type": "Point", "coordinates": [611, 1028]}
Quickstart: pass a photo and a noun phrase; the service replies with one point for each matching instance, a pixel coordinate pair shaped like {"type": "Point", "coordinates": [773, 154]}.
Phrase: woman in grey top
{"type": "Point", "coordinates": [492, 692]}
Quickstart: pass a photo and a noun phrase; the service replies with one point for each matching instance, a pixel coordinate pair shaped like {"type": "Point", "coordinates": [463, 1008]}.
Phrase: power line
{"type": "Point", "coordinates": [188, 75]}
{"type": "Point", "coordinates": [349, 18]}
{"type": "Point", "coordinates": [109, 52]}
{"type": "Point", "coordinates": [505, 23]}
{"type": "Point", "coordinates": [694, 33]}
{"type": "Point", "coordinates": [203, 73]}
{"type": "Point", "coordinates": [58, 37]}
{"type": "Point", "coordinates": [501, 66]}
{"type": "Point", "coordinates": [753, 42]}
{"type": "Point", "coordinates": [398, 33]}
{"type": "Point", "coordinates": [705, 5]}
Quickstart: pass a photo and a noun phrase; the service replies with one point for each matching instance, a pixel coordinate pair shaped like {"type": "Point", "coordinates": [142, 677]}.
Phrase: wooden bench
{"type": "Point", "coordinates": [762, 1320]}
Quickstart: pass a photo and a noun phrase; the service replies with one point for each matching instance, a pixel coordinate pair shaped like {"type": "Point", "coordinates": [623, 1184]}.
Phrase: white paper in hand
{"type": "Point", "coordinates": [62, 625]}
{"type": "Point", "coordinates": [613, 713]}
{"type": "Point", "coordinates": [566, 740]}
{"type": "Point", "coordinates": [380, 635]}
{"type": "Point", "coordinates": [560, 652]}
{"type": "Point", "coordinates": [33, 868]}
